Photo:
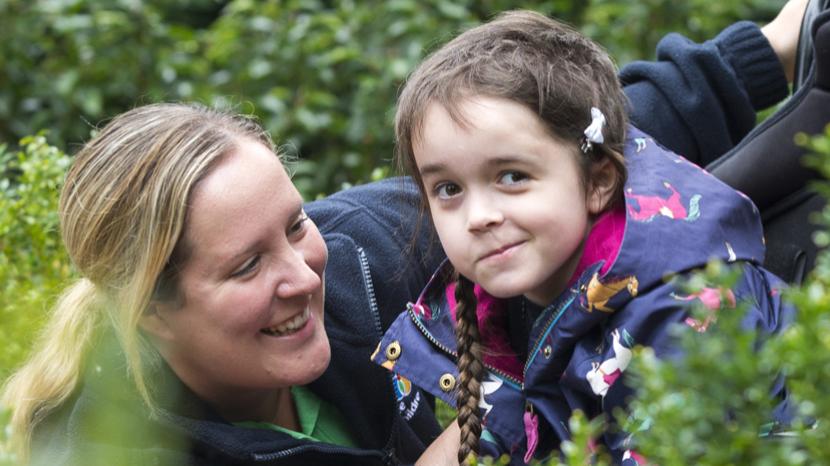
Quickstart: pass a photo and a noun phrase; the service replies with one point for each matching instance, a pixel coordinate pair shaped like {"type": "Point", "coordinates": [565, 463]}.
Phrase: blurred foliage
{"type": "Point", "coordinates": [7, 458]}
{"type": "Point", "coordinates": [712, 406]}
{"type": "Point", "coordinates": [33, 264]}
{"type": "Point", "coordinates": [321, 75]}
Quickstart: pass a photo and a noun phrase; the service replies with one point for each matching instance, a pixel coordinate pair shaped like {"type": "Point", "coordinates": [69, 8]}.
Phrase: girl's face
{"type": "Point", "coordinates": [506, 197]}
{"type": "Point", "coordinates": [250, 317]}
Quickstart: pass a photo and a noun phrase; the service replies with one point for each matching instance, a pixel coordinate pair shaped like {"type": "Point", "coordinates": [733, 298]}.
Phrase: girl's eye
{"type": "Point", "coordinates": [299, 225]}
{"type": "Point", "coordinates": [512, 177]}
{"type": "Point", "coordinates": [447, 190]}
{"type": "Point", "coordinates": [248, 267]}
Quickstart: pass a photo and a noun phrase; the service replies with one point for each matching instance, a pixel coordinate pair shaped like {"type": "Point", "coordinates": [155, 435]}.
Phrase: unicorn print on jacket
{"type": "Point", "coordinates": [603, 375]}
{"type": "Point", "coordinates": [644, 208]}
{"type": "Point", "coordinates": [713, 299]}
{"type": "Point", "coordinates": [488, 387]}
{"type": "Point", "coordinates": [598, 293]}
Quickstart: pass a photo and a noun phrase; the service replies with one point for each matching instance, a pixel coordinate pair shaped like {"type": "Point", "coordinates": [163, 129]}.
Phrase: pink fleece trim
{"type": "Point", "coordinates": [603, 242]}
{"type": "Point", "coordinates": [492, 325]}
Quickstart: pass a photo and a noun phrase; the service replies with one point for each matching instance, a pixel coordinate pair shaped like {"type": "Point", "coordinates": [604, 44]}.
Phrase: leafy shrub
{"type": "Point", "coordinates": [321, 75]}
{"type": "Point", "coordinates": [33, 264]}
{"type": "Point", "coordinates": [6, 457]}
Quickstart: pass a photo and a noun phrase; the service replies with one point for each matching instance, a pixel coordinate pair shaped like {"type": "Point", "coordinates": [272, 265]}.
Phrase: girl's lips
{"type": "Point", "coordinates": [501, 252]}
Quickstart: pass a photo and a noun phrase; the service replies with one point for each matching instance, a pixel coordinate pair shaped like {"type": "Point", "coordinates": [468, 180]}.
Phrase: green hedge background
{"type": "Point", "coordinates": [321, 75]}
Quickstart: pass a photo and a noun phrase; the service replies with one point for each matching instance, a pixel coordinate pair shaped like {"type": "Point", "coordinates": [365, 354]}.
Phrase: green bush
{"type": "Point", "coordinates": [6, 457]}
{"type": "Point", "coordinates": [321, 75]}
{"type": "Point", "coordinates": [33, 264]}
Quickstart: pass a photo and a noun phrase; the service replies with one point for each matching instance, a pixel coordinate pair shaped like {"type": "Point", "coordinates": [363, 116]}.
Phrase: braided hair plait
{"type": "Point", "coordinates": [470, 368]}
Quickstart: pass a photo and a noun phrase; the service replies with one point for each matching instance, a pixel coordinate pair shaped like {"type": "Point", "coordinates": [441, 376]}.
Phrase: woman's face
{"type": "Point", "coordinates": [250, 317]}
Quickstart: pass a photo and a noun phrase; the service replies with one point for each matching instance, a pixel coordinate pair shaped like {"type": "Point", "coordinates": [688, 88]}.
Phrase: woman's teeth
{"type": "Point", "coordinates": [287, 328]}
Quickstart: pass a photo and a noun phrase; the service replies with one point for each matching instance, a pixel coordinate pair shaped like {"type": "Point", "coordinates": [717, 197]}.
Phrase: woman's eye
{"type": "Point", "coordinates": [248, 267]}
{"type": "Point", "coordinates": [512, 177]}
{"type": "Point", "coordinates": [299, 225]}
{"type": "Point", "coordinates": [447, 190]}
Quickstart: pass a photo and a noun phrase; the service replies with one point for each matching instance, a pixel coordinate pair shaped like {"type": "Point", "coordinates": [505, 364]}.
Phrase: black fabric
{"type": "Point", "coordinates": [804, 51]}
{"type": "Point", "coordinates": [789, 229]}
{"type": "Point", "coordinates": [521, 315]}
{"type": "Point", "coordinates": [767, 166]}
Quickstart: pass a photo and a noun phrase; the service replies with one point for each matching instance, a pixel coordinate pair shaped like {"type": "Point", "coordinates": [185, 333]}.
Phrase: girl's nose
{"type": "Point", "coordinates": [298, 277]}
{"type": "Point", "coordinates": [482, 214]}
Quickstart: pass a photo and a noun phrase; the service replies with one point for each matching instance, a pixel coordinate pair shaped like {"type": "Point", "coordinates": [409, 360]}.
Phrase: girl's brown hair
{"type": "Point", "coordinates": [551, 69]}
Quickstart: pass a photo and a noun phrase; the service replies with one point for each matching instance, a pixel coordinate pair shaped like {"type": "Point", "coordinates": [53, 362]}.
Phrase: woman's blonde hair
{"type": "Point", "coordinates": [122, 210]}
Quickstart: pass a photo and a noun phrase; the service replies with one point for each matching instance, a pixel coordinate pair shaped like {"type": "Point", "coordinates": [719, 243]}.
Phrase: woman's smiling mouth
{"type": "Point", "coordinates": [290, 326]}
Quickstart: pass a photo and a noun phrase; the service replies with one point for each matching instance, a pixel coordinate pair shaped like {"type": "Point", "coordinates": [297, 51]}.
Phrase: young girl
{"type": "Point", "coordinates": [561, 224]}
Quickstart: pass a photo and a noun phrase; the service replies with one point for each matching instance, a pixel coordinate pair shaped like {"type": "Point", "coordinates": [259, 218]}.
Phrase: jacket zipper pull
{"type": "Point", "coordinates": [531, 421]}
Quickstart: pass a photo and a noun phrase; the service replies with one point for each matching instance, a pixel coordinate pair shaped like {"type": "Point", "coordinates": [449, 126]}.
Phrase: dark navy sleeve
{"type": "Point", "coordinates": [397, 242]}
{"type": "Point", "coordinates": [699, 100]}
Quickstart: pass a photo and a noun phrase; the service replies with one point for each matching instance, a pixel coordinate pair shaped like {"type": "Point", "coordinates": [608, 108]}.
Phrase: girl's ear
{"type": "Point", "coordinates": [154, 321]}
{"type": "Point", "coordinates": [602, 184]}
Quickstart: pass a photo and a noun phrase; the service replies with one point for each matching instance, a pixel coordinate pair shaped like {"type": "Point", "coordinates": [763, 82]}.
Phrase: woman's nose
{"type": "Point", "coordinates": [298, 277]}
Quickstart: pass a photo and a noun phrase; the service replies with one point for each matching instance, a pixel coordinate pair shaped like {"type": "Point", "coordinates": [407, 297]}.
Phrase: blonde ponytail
{"type": "Point", "coordinates": [52, 372]}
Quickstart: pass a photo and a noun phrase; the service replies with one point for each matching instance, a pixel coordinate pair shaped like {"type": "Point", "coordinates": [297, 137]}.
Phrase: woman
{"type": "Point", "coordinates": [203, 286]}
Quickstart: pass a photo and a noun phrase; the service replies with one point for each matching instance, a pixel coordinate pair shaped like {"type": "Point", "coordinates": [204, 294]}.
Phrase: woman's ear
{"type": "Point", "coordinates": [602, 184]}
{"type": "Point", "coordinates": [154, 321]}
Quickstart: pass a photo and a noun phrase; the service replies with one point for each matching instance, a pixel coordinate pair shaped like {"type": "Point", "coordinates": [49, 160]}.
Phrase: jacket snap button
{"type": "Point", "coordinates": [393, 351]}
{"type": "Point", "coordinates": [547, 351]}
{"type": "Point", "coordinates": [447, 382]}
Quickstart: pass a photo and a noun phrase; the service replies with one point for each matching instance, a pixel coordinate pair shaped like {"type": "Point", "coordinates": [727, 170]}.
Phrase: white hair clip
{"type": "Point", "coordinates": [593, 133]}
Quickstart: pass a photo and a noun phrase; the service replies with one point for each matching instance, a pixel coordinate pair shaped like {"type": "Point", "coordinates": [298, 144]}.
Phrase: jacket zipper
{"type": "Point", "coordinates": [325, 448]}
{"type": "Point", "coordinates": [552, 320]}
{"type": "Point", "coordinates": [410, 309]}
{"type": "Point", "coordinates": [370, 290]}
{"type": "Point", "coordinates": [373, 306]}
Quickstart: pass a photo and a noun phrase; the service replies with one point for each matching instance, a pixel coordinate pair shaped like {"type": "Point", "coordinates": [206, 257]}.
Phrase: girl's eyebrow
{"type": "Point", "coordinates": [431, 168]}
{"type": "Point", "coordinates": [498, 161]}
{"type": "Point", "coordinates": [510, 159]}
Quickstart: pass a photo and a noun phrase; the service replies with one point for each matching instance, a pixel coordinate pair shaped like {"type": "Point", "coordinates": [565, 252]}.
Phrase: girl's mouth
{"type": "Point", "coordinates": [500, 252]}
{"type": "Point", "coordinates": [291, 326]}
